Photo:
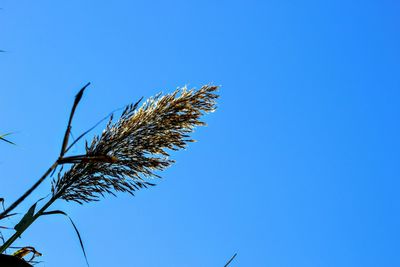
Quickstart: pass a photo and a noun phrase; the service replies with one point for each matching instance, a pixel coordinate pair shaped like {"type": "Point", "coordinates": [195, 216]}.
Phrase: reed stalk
{"type": "Point", "coordinates": [18, 233]}
{"type": "Point", "coordinates": [127, 154]}
{"type": "Point", "coordinates": [29, 191]}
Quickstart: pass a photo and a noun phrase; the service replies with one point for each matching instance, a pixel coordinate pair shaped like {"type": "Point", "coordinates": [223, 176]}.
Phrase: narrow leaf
{"type": "Point", "coordinates": [26, 220]}
{"type": "Point", "coordinates": [87, 131]}
{"type": "Point", "coordinates": [78, 98]}
{"type": "Point", "coordinates": [73, 224]}
{"type": "Point", "coordinates": [230, 260]}
{"type": "Point", "coordinates": [6, 140]}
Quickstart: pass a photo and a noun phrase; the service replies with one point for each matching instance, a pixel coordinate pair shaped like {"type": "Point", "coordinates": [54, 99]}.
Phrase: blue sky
{"type": "Point", "coordinates": [298, 167]}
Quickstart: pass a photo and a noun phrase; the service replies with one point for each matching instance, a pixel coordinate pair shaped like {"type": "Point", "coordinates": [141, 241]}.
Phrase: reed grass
{"type": "Point", "coordinates": [126, 156]}
{"type": "Point", "coordinates": [130, 151]}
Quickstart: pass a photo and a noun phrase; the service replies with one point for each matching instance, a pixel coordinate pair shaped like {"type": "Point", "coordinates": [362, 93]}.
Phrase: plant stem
{"type": "Point", "coordinates": [14, 237]}
{"type": "Point", "coordinates": [64, 160]}
{"type": "Point", "coordinates": [30, 190]}
{"type": "Point", "coordinates": [52, 168]}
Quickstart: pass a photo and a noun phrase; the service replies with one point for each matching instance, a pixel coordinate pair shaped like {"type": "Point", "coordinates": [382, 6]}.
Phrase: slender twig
{"type": "Point", "coordinates": [230, 260]}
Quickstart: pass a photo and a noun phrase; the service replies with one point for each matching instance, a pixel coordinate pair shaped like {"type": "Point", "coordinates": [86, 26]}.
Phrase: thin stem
{"type": "Point", "coordinates": [30, 190]}
{"type": "Point", "coordinates": [90, 129]}
{"type": "Point", "coordinates": [55, 164]}
{"type": "Point", "coordinates": [14, 237]}
{"type": "Point", "coordinates": [71, 159]}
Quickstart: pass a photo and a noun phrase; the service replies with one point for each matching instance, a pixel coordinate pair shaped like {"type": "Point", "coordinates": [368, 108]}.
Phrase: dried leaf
{"type": "Point", "coordinates": [25, 251]}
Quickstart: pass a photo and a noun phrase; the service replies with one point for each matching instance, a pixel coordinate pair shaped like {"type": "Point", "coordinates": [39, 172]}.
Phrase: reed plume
{"type": "Point", "coordinates": [130, 151]}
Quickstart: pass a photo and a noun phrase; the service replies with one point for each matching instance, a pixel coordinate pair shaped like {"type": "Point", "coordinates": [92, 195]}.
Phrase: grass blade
{"type": "Point", "coordinates": [6, 140]}
{"type": "Point", "coordinates": [73, 224]}
{"type": "Point", "coordinates": [26, 220]}
{"type": "Point", "coordinates": [230, 260]}
{"type": "Point", "coordinates": [78, 98]}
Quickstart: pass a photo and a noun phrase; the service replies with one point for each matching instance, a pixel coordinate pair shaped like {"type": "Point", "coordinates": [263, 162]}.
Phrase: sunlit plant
{"type": "Point", "coordinates": [125, 157]}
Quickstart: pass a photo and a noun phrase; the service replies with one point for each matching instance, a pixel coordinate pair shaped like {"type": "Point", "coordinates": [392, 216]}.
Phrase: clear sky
{"type": "Point", "coordinates": [298, 167]}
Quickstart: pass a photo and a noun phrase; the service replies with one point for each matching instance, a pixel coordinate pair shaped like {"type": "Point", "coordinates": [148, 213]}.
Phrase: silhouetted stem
{"type": "Point", "coordinates": [59, 161]}
{"type": "Point", "coordinates": [30, 190]}
{"type": "Point", "coordinates": [14, 237]}
{"type": "Point", "coordinates": [71, 159]}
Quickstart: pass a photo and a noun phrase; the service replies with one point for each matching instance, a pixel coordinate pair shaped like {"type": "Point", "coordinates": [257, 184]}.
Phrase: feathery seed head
{"type": "Point", "coordinates": [136, 146]}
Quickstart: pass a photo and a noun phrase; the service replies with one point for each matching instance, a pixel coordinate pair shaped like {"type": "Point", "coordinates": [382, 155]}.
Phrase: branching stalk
{"type": "Point", "coordinates": [125, 156]}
